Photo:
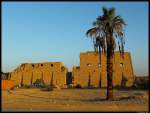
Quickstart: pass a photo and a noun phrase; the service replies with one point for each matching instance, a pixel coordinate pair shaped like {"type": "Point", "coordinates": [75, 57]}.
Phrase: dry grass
{"type": "Point", "coordinates": [73, 100]}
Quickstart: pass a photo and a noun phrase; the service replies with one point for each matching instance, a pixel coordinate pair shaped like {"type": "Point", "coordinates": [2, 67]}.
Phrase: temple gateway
{"type": "Point", "coordinates": [91, 72]}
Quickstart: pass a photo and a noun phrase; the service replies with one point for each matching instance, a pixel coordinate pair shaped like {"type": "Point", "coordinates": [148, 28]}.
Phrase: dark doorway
{"type": "Point", "coordinates": [69, 78]}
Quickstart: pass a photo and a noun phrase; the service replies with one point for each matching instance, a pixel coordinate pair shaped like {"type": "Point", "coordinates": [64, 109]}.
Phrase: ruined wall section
{"type": "Point", "coordinates": [89, 69]}
{"type": "Point", "coordinates": [53, 72]}
{"type": "Point", "coordinates": [93, 73]}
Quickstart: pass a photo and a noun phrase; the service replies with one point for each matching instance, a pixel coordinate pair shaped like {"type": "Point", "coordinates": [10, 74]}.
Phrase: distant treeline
{"type": "Point", "coordinates": [141, 82]}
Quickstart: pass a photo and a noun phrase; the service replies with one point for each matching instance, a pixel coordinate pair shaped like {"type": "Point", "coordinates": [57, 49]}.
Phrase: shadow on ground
{"type": "Point", "coordinates": [115, 99]}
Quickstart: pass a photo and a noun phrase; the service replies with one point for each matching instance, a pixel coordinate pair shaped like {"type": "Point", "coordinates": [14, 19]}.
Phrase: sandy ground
{"type": "Point", "coordinates": [73, 100]}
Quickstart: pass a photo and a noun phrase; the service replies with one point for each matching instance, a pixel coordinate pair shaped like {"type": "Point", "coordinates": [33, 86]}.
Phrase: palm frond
{"type": "Point", "coordinates": [103, 44]}
{"type": "Point", "coordinates": [119, 19]}
{"type": "Point", "coordinates": [94, 23]}
{"type": "Point", "coordinates": [106, 28]}
{"type": "Point", "coordinates": [111, 14]}
{"type": "Point", "coordinates": [105, 11]}
{"type": "Point", "coordinates": [91, 32]}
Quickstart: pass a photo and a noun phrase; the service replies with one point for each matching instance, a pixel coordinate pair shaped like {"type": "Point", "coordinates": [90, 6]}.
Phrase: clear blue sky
{"type": "Point", "coordinates": [55, 31]}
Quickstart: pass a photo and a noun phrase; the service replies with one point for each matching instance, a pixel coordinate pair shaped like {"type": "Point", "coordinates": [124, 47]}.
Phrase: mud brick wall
{"type": "Point", "coordinates": [30, 72]}
{"type": "Point", "coordinates": [91, 70]}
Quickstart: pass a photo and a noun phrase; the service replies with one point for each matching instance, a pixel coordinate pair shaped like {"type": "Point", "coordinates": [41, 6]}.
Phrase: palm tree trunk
{"type": "Point", "coordinates": [99, 66]}
{"type": "Point", "coordinates": [99, 54]}
{"type": "Point", "coordinates": [110, 56]}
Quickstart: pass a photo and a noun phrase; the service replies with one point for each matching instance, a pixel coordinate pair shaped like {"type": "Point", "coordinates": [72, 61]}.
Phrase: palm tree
{"type": "Point", "coordinates": [104, 30]}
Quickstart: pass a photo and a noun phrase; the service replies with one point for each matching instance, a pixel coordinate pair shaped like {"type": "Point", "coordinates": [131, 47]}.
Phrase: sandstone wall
{"type": "Point", "coordinates": [91, 72]}
{"type": "Point", "coordinates": [29, 73]}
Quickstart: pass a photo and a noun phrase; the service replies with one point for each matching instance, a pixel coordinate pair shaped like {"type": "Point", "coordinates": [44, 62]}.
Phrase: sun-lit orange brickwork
{"type": "Point", "coordinates": [90, 72]}
{"type": "Point", "coordinates": [93, 73]}
{"type": "Point", "coordinates": [28, 73]}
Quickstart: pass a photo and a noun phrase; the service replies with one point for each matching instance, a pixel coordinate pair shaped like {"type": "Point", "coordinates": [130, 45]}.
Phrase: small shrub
{"type": "Point", "coordinates": [141, 84]}
{"type": "Point", "coordinates": [70, 86]}
{"type": "Point", "coordinates": [78, 86]}
{"type": "Point", "coordinates": [39, 83]}
{"type": "Point", "coordinates": [117, 87]}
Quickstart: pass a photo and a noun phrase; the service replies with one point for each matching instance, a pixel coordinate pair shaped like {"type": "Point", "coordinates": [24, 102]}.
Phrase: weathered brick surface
{"type": "Point", "coordinates": [36, 71]}
{"type": "Point", "coordinates": [89, 68]}
{"type": "Point", "coordinates": [16, 77]}
{"type": "Point", "coordinates": [89, 72]}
